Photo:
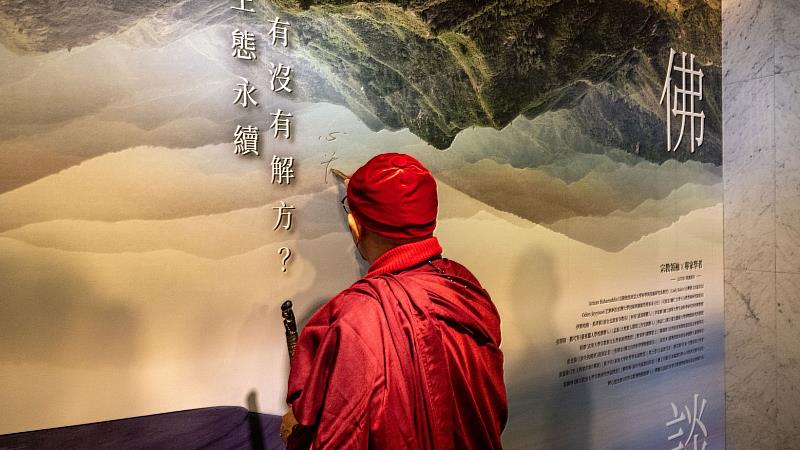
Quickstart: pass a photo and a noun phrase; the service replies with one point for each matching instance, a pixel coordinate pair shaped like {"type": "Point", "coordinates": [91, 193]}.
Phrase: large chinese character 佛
{"type": "Point", "coordinates": [282, 170]}
{"type": "Point", "coordinates": [245, 140]}
{"type": "Point", "coordinates": [244, 96]}
{"type": "Point", "coordinates": [284, 212]}
{"type": "Point", "coordinates": [281, 76]}
{"type": "Point", "coordinates": [279, 31]}
{"type": "Point", "coordinates": [244, 44]}
{"type": "Point", "coordinates": [684, 89]}
{"type": "Point", "coordinates": [241, 6]}
{"type": "Point", "coordinates": [282, 123]}
{"type": "Point", "coordinates": [697, 434]}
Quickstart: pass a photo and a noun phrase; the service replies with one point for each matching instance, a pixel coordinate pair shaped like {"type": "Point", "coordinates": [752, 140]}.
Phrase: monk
{"type": "Point", "coordinates": [408, 357]}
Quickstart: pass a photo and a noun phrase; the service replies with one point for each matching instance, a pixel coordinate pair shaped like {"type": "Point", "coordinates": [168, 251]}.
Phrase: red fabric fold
{"type": "Point", "coordinates": [406, 358]}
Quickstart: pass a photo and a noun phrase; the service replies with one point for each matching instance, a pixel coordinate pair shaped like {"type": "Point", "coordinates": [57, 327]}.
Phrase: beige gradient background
{"type": "Point", "coordinates": [139, 272]}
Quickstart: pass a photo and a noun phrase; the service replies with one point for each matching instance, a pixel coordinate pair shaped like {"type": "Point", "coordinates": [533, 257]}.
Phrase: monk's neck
{"type": "Point", "coordinates": [374, 246]}
{"type": "Point", "coordinates": [375, 250]}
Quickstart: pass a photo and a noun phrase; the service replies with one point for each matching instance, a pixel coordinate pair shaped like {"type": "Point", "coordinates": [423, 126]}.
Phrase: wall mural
{"type": "Point", "coordinates": [153, 152]}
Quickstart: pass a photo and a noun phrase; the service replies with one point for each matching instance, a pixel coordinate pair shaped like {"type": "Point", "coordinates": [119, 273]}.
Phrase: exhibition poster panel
{"type": "Point", "coordinates": [166, 186]}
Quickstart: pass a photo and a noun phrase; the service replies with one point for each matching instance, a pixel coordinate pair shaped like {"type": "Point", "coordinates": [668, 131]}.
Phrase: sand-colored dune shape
{"type": "Point", "coordinates": [162, 317]}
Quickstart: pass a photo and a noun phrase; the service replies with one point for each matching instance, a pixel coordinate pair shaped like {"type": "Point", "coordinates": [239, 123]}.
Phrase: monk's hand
{"type": "Point", "coordinates": [287, 424]}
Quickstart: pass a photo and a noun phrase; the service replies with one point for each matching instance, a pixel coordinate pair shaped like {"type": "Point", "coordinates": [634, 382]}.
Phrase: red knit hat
{"type": "Point", "coordinates": [394, 195]}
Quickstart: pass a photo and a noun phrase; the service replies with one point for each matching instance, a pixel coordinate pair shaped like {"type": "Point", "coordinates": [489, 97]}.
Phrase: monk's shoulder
{"type": "Point", "coordinates": [356, 306]}
{"type": "Point", "coordinates": [459, 270]}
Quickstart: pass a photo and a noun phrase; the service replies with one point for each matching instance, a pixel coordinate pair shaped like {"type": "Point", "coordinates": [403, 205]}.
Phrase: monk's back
{"type": "Point", "coordinates": [441, 380]}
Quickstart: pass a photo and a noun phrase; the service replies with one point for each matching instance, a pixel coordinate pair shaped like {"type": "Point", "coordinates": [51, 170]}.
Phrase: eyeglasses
{"type": "Point", "coordinates": [345, 206]}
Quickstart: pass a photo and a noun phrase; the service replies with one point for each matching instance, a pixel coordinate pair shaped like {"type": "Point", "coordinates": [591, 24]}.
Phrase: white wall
{"type": "Point", "coordinates": [761, 104]}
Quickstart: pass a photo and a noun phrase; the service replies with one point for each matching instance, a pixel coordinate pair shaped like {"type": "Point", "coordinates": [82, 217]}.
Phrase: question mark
{"type": "Point", "coordinates": [285, 258]}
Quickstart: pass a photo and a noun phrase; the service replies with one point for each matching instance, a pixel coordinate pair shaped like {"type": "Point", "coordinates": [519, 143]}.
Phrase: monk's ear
{"type": "Point", "coordinates": [355, 227]}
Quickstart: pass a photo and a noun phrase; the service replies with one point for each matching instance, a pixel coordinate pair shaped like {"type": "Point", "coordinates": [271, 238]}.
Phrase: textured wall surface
{"type": "Point", "coordinates": [761, 127]}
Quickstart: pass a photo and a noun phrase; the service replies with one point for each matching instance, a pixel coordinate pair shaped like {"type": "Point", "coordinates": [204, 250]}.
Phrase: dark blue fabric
{"type": "Point", "coordinates": [224, 427]}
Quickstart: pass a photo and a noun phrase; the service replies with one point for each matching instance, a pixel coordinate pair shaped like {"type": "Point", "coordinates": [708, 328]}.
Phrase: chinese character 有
{"type": "Point", "coordinates": [281, 124]}
{"type": "Point", "coordinates": [279, 31]}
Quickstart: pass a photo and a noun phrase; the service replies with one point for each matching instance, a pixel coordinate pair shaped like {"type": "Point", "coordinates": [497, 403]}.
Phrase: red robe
{"type": "Point", "coordinates": [408, 357]}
